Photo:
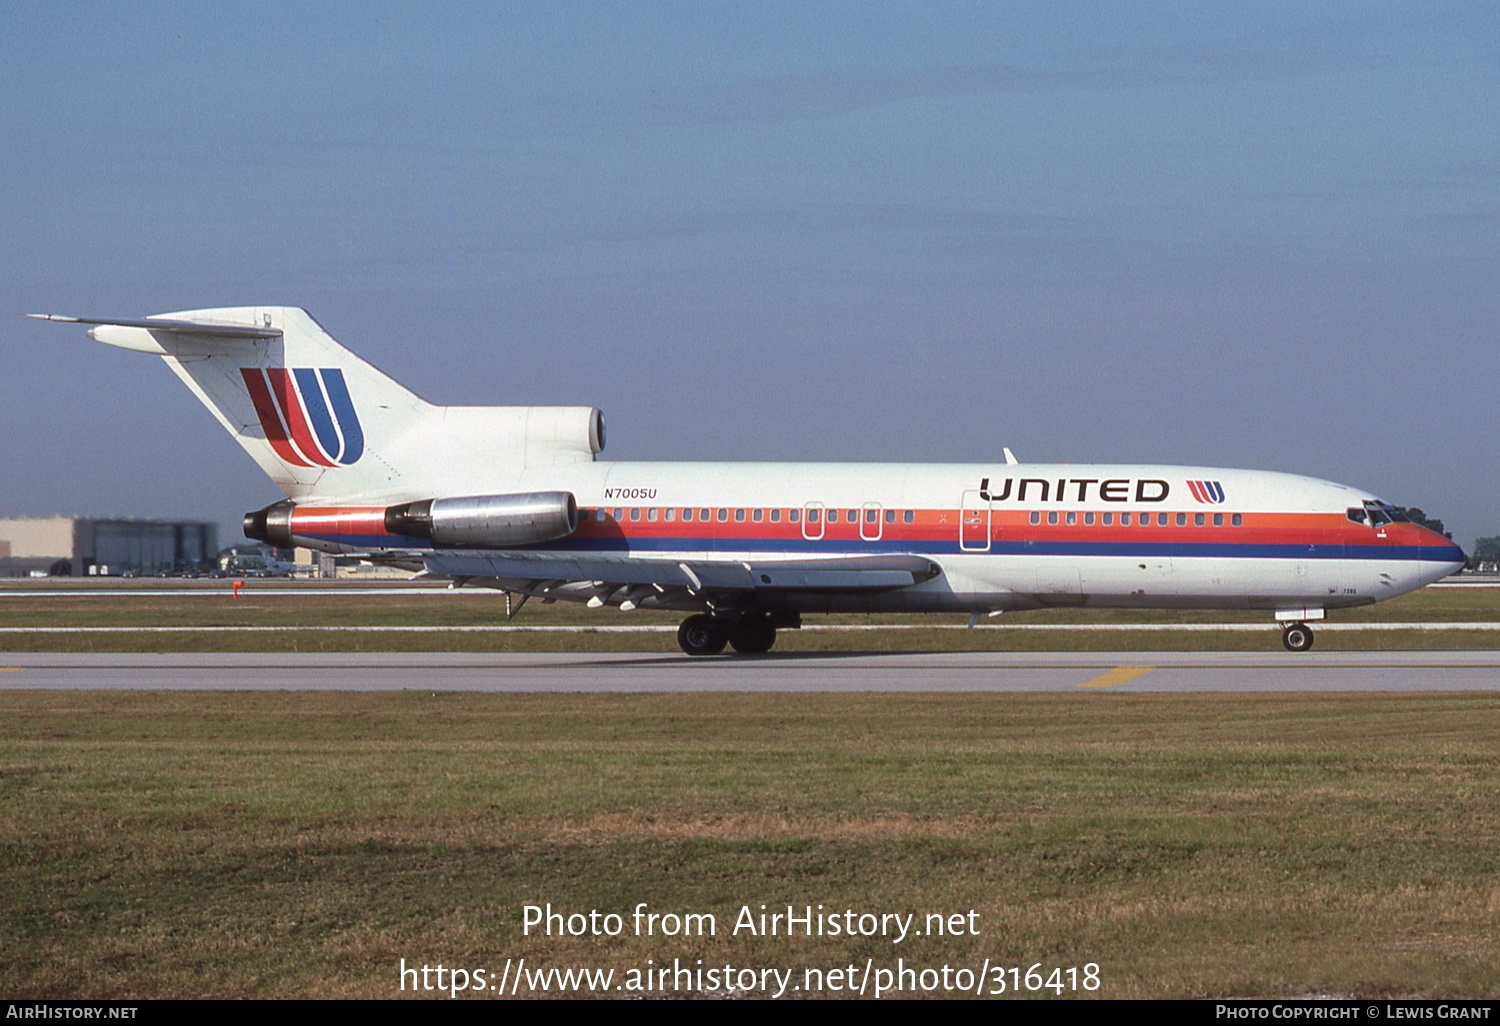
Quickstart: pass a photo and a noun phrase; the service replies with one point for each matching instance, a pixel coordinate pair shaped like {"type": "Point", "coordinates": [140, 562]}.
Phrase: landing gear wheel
{"type": "Point", "coordinates": [701, 635]}
{"type": "Point", "coordinates": [752, 635]}
{"type": "Point", "coordinates": [1297, 637]}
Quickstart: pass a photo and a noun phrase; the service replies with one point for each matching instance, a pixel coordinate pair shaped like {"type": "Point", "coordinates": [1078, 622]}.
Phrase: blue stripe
{"type": "Point", "coordinates": [801, 546]}
{"type": "Point", "coordinates": [373, 542]}
{"type": "Point", "coordinates": [317, 411]}
{"type": "Point", "coordinates": [343, 409]}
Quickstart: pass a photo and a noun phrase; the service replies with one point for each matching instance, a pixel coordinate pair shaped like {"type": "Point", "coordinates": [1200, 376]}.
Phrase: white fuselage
{"type": "Point", "coordinates": [1004, 536]}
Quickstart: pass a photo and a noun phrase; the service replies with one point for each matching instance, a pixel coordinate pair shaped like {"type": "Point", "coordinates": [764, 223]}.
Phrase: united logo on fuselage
{"type": "Point", "coordinates": [307, 414]}
{"type": "Point", "coordinates": [1206, 491]}
{"type": "Point", "coordinates": [1083, 489]}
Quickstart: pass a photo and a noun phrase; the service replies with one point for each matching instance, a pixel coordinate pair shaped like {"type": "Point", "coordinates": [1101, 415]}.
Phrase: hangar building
{"type": "Point", "coordinates": [81, 546]}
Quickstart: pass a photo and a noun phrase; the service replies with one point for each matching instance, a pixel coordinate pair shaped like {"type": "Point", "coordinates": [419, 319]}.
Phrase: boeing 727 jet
{"type": "Point", "coordinates": [515, 498]}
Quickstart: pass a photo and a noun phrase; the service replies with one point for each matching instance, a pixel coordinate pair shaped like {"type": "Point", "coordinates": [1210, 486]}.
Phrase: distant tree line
{"type": "Point", "coordinates": [1486, 552]}
{"type": "Point", "coordinates": [1431, 523]}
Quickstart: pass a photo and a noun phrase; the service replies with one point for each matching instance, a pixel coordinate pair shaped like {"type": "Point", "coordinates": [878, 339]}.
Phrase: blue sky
{"type": "Point", "coordinates": [1260, 236]}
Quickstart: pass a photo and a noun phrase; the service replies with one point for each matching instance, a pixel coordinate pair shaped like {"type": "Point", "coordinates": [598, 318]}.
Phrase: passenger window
{"type": "Point", "coordinates": [1197, 519]}
{"type": "Point", "coordinates": [1124, 519]}
{"type": "Point", "coordinates": [1237, 520]}
{"type": "Point", "coordinates": [599, 513]}
{"type": "Point", "coordinates": [1161, 520]}
{"type": "Point", "coordinates": [890, 516]}
{"type": "Point", "coordinates": [1182, 520]}
{"type": "Point", "coordinates": [775, 516]}
{"type": "Point", "coordinates": [619, 513]}
{"type": "Point", "coordinates": [635, 513]}
{"type": "Point", "coordinates": [1218, 520]}
{"type": "Point", "coordinates": [651, 514]}
{"type": "Point", "coordinates": [757, 515]}
{"type": "Point", "coordinates": [1052, 517]}
{"type": "Point", "coordinates": [1108, 519]}
{"type": "Point", "coordinates": [703, 515]}
{"type": "Point", "coordinates": [794, 514]}
{"type": "Point", "coordinates": [687, 515]}
{"type": "Point", "coordinates": [1072, 519]}
{"type": "Point", "coordinates": [739, 516]}
{"type": "Point", "coordinates": [833, 516]}
{"type": "Point", "coordinates": [872, 516]}
{"type": "Point", "coordinates": [1036, 517]}
{"type": "Point", "coordinates": [1088, 520]}
{"type": "Point", "coordinates": [908, 516]}
{"type": "Point", "coordinates": [812, 516]}
{"type": "Point", "coordinates": [723, 515]}
{"type": "Point", "coordinates": [671, 514]}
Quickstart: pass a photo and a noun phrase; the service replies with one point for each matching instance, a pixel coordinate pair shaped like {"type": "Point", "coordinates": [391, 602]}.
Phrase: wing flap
{"type": "Point", "coordinates": [555, 566]}
{"type": "Point", "coordinates": [872, 573]}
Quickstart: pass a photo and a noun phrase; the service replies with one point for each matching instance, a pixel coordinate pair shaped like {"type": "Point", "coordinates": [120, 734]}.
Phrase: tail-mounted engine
{"type": "Point", "coordinates": [472, 522]}
{"type": "Point", "coordinates": [272, 525]}
{"type": "Point", "coordinates": [487, 521]}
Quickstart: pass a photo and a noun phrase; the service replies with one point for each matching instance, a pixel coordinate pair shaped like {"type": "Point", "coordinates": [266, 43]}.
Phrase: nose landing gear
{"type": "Point", "coordinates": [1297, 637]}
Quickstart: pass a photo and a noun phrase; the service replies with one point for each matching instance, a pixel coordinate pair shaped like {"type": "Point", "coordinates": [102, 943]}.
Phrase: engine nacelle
{"type": "Point", "coordinates": [272, 525]}
{"type": "Point", "coordinates": [487, 521]}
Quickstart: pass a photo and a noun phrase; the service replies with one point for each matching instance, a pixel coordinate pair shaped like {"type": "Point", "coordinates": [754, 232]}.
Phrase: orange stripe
{"type": "Point", "coordinates": [291, 408]}
{"type": "Point", "coordinates": [270, 419]}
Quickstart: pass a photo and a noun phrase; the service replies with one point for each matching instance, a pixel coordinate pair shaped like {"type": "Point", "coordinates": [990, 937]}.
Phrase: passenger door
{"type": "Point", "coordinates": [974, 517]}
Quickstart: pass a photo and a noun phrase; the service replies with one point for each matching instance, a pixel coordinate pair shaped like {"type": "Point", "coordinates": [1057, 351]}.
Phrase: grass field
{"type": "Point", "coordinates": [301, 844]}
{"type": "Point", "coordinates": [212, 607]}
{"type": "Point", "coordinates": [263, 844]}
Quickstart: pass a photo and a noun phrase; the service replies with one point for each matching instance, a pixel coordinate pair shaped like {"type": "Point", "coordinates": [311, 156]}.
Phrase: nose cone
{"type": "Point", "coordinates": [1440, 557]}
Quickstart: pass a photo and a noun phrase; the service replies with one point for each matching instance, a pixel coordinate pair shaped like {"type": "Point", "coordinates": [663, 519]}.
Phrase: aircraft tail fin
{"type": "Point", "coordinates": [326, 425]}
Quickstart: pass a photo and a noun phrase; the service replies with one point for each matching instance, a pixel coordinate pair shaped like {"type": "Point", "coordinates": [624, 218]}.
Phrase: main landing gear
{"type": "Point", "coordinates": [749, 634]}
{"type": "Point", "coordinates": [1297, 637]}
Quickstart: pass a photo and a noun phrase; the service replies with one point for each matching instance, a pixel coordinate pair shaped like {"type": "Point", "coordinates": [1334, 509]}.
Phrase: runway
{"type": "Point", "coordinates": [622, 672]}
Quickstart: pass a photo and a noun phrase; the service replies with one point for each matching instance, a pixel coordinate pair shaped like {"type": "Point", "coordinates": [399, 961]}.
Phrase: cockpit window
{"type": "Point", "coordinates": [1356, 514]}
{"type": "Point", "coordinates": [1381, 513]}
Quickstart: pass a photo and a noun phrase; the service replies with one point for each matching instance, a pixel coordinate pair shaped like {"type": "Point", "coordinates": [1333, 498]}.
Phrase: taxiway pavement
{"type": "Point", "coordinates": [1415, 670]}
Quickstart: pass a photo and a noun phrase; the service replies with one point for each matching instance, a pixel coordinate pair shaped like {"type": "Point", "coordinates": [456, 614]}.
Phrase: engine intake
{"type": "Point", "coordinates": [487, 521]}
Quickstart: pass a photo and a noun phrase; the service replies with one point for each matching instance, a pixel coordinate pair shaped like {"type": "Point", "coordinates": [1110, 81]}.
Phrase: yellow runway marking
{"type": "Point", "coordinates": [1119, 675]}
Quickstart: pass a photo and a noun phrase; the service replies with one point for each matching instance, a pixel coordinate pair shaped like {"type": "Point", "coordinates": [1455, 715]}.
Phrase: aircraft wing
{"type": "Point", "coordinates": [696, 575]}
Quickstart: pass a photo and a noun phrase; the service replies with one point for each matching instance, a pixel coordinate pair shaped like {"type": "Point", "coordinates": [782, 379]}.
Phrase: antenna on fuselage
{"type": "Point", "coordinates": [1010, 457]}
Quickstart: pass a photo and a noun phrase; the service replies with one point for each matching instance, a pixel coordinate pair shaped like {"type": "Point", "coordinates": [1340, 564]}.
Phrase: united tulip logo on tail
{"type": "Point", "coordinates": [307, 415]}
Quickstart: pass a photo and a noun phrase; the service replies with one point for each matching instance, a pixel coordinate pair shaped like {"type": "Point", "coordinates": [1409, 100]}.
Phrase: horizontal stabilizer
{"type": "Point", "coordinates": [170, 326]}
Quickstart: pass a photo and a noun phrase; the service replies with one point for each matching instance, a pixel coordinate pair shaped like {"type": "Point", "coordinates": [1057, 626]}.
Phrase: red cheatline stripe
{"type": "Point", "coordinates": [362, 520]}
{"type": "Point", "coordinates": [291, 406]}
{"type": "Point", "coordinates": [270, 419]}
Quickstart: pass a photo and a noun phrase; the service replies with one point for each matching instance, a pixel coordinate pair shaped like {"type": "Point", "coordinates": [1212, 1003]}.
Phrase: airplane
{"type": "Point", "coordinates": [514, 498]}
